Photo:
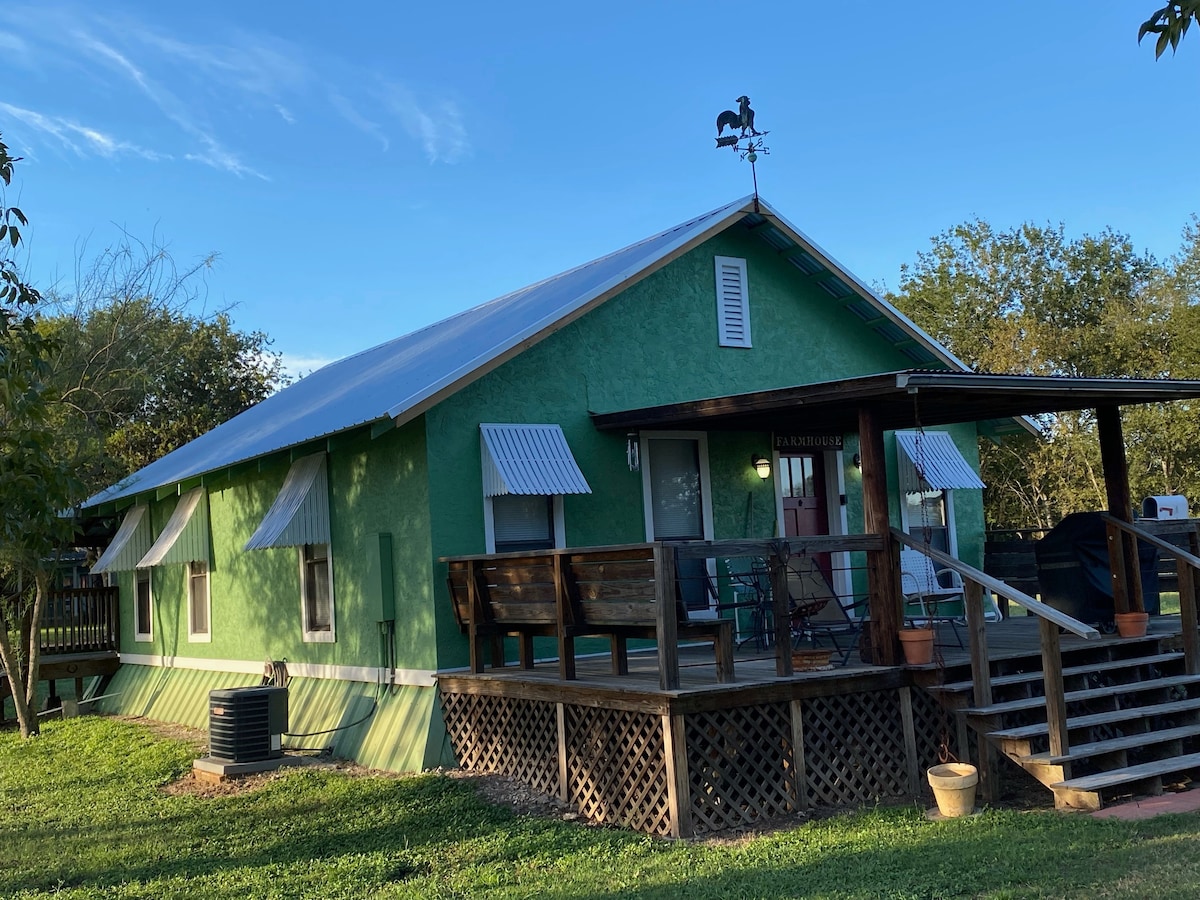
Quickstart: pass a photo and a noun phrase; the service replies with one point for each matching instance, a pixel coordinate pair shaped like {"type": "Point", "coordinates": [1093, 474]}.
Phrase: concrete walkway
{"type": "Point", "coordinates": [1182, 802]}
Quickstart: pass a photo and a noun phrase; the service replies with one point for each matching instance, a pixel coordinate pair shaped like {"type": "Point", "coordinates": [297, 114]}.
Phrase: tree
{"type": "Point", "coordinates": [95, 383]}
{"type": "Point", "coordinates": [36, 482]}
{"type": "Point", "coordinates": [143, 376]}
{"type": "Point", "coordinates": [1030, 300]}
{"type": "Point", "coordinates": [1170, 24]}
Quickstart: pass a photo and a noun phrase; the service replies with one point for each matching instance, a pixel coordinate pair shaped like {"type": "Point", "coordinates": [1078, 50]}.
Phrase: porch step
{"type": "Point", "coordinates": [1112, 665]}
{"type": "Point", "coordinates": [1112, 745]}
{"type": "Point", "coordinates": [1131, 687]}
{"type": "Point", "coordinates": [1105, 718]}
{"type": "Point", "coordinates": [1117, 777]}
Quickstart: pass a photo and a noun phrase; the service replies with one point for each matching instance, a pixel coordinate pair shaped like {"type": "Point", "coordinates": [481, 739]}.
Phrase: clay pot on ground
{"type": "Point", "coordinates": [1132, 624]}
{"type": "Point", "coordinates": [918, 645]}
{"type": "Point", "coordinates": [954, 788]}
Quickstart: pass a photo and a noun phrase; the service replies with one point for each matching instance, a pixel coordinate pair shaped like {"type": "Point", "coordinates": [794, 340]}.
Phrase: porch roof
{"type": "Point", "coordinates": [901, 400]}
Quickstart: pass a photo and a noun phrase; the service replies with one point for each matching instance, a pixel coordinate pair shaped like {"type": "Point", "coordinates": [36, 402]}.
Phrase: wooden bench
{"type": "Point", "coordinates": [615, 592]}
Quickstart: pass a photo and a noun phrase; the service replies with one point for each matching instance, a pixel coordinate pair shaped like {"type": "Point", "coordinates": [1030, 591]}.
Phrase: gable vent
{"type": "Point", "coordinates": [733, 303]}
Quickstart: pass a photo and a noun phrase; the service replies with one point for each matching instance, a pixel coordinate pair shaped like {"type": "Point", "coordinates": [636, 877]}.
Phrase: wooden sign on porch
{"type": "Point", "coordinates": [800, 443]}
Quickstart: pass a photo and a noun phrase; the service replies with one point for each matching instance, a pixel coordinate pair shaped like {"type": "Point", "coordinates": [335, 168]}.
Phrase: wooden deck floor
{"type": "Point", "coordinates": [1013, 637]}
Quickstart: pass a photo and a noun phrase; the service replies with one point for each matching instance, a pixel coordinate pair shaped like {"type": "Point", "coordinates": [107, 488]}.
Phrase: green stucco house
{"type": "Point", "coordinates": [307, 530]}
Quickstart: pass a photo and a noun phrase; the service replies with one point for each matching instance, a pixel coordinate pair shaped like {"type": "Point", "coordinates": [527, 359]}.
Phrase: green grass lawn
{"type": "Point", "coordinates": [83, 814]}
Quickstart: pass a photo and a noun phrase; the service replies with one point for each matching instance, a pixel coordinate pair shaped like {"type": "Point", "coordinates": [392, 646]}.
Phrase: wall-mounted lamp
{"type": "Point", "coordinates": [762, 466]}
{"type": "Point", "coordinates": [857, 460]}
{"type": "Point", "coordinates": [632, 457]}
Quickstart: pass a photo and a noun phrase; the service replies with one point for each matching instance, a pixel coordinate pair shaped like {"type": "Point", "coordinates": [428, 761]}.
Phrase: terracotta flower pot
{"type": "Point", "coordinates": [1132, 624]}
{"type": "Point", "coordinates": [954, 788]}
{"type": "Point", "coordinates": [918, 645]}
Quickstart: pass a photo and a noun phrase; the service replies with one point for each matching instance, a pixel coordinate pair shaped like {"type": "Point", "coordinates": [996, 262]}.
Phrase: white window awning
{"type": "Point", "coordinates": [929, 461]}
{"type": "Point", "coordinates": [529, 459]}
{"type": "Point", "coordinates": [129, 544]}
{"type": "Point", "coordinates": [185, 537]}
{"type": "Point", "coordinates": [300, 513]}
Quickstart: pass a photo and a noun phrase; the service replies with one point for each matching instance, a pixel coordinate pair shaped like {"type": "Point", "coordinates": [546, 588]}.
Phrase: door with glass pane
{"type": "Point", "coordinates": [805, 511]}
{"type": "Point", "coordinates": [677, 508]}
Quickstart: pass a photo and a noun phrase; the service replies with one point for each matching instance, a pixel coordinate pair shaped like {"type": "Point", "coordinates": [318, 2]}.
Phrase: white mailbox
{"type": "Point", "coordinates": [1174, 506]}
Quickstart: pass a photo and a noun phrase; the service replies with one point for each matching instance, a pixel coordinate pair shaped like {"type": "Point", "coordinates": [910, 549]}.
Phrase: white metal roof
{"type": "Point", "coordinates": [400, 379]}
{"type": "Point", "coordinates": [934, 463]}
{"type": "Point", "coordinates": [529, 459]}
{"type": "Point", "coordinates": [129, 544]}
{"type": "Point", "coordinates": [184, 539]}
{"type": "Point", "coordinates": [300, 513]}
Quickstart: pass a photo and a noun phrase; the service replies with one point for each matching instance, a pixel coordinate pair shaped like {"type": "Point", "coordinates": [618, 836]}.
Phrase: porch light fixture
{"type": "Point", "coordinates": [762, 466]}
{"type": "Point", "coordinates": [857, 460]}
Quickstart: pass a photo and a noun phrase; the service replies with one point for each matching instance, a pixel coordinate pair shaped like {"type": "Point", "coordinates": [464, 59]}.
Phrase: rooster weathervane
{"type": "Point", "coordinates": [749, 143]}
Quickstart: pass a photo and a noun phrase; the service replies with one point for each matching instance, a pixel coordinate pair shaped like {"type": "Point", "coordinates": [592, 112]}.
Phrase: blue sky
{"type": "Point", "coordinates": [363, 169]}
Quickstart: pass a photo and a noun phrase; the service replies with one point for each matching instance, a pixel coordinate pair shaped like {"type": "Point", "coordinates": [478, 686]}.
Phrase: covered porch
{"type": "Point", "coordinates": [716, 747]}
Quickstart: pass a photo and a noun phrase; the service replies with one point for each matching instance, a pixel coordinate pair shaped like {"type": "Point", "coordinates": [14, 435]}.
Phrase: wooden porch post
{"type": "Point", "coordinates": [1122, 547]}
{"type": "Point", "coordinates": [881, 573]}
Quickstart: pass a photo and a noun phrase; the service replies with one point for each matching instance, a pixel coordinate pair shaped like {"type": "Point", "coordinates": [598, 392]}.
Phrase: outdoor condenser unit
{"type": "Point", "coordinates": [247, 724]}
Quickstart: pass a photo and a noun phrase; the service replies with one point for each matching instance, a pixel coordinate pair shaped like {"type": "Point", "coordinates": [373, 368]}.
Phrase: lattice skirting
{"type": "Point", "coordinates": [705, 771]}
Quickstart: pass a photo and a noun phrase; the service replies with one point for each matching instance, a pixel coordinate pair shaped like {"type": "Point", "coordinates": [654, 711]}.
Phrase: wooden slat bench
{"type": "Point", "coordinates": [615, 592]}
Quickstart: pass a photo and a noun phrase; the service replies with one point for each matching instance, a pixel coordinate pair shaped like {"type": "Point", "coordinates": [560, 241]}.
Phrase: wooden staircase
{"type": "Point", "coordinates": [1132, 719]}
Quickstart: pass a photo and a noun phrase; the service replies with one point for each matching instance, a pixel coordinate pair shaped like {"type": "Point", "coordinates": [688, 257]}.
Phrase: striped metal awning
{"type": "Point", "coordinates": [300, 513]}
{"type": "Point", "coordinates": [185, 537]}
{"type": "Point", "coordinates": [928, 460]}
{"type": "Point", "coordinates": [529, 459]}
{"type": "Point", "coordinates": [129, 544]}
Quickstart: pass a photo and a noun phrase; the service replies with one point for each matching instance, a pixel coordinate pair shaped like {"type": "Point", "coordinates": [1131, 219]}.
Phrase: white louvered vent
{"type": "Point", "coordinates": [733, 303]}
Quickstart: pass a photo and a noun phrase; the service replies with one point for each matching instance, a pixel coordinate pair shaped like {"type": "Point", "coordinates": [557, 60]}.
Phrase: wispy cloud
{"type": "Point", "coordinates": [437, 124]}
{"type": "Point", "coordinates": [348, 112]}
{"type": "Point", "coordinates": [231, 82]}
{"type": "Point", "coordinates": [80, 139]}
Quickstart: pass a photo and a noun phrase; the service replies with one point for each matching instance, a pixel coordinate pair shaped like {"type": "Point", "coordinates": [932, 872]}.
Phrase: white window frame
{"type": "Point", "coordinates": [489, 523]}
{"type": "Point", "coordinates": [199, 637]}
{"type": "Point", "coordinates": [722, 266]}
{"type": "Point", "coordinates": [143, 631]}
{"type": "Point", "coordinates": [310, 636]}
{"type": "Point", "coordinates": [951, 530]}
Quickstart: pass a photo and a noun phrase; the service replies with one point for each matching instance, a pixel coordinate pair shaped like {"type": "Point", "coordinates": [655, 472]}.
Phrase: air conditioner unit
{"type": "Point", "coordinates": [247, 724]}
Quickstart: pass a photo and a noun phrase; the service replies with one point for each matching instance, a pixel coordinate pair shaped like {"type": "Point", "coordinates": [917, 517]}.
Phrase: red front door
{"type": "Point", "coordinates": [802, 481]}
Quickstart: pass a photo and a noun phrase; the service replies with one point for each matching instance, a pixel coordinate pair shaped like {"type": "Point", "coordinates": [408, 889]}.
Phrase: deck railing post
{"type": "Point", "coordinates": [779, 609]}
{"type": "Point", "coordinates": [1116, 565]}
{"type": "Point", "coordinates": [1187, 616]}
{"type": "Point", "coordinates": [1056, 703]}
{"type": "Point", "coordinates": [666, 616]}
{"type": "Point", "coordinates": [981, 674]}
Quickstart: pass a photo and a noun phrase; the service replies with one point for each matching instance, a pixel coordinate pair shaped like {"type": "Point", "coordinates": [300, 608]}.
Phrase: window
{"type": "Point", "coordinates": [928, 516]}
{"type": "Point", "coordinates": [676, 491]}
{"type": "Point", "coordinates": [733, 303]}
{"type": "Point", "coordinates": [316, 588]}
{"type": "Point", "coordinates": [141, 606]}
{"type": "Point", "coordinates": [198, 601]}
{"type": "Point", "coordinates": [523, 522]}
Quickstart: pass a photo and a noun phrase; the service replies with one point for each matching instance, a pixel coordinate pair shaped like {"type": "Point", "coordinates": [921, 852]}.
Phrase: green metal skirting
{"type": "Point", "coordinates": [396, 730]}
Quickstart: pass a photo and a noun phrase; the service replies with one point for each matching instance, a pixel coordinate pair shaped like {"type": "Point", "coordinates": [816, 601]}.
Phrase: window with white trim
{"type": "Point", "coordinates": [199, 605]}
{"type": "Point", "coordinates": [143, 602]}
{"type": "Point", "coordinates": [523, 522]}
{"type": "Point", "coordinates": [316, 589]}
{"type": "Point", "coordinates": [733, 302]}
{"type": "Point", "coordinates": [929, 517]}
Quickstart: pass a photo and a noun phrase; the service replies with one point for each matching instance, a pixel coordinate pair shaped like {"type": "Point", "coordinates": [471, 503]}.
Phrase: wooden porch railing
{"type": "Point", "coordinates": [1187, 564]}
{"type": "Point", "coordinates": [80, 620]}
{"type": "Point", "coordinates": [1050, 620]}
